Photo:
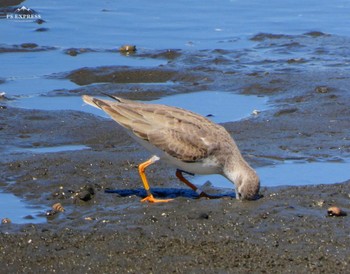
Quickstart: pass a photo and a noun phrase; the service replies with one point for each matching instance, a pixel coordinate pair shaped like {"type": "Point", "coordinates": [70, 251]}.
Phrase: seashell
{"type": "Point", "coordinates": [5, 221]}
{"type": "Point", "coordinates": [335, 211]}
{"type": "Point", "coordinates": [58, 207]}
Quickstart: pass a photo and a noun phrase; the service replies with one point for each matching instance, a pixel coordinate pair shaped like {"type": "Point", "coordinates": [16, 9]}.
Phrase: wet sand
{"type": "Point", "coordinates": [105, 228]}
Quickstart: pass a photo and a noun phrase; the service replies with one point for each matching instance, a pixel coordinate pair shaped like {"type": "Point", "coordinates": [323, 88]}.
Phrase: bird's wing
{"type": "Point", "coordinates": [180, 133]}
{"type": "Point", "coordinates": [188, 147]}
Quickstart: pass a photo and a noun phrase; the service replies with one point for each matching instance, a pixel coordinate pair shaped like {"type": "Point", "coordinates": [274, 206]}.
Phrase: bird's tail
{"type": "Point", "coordinates": [120, 100]}
{"type": "Point", "coordinates": [95, 102]}
{"type": "Point", "coordinates": [99, 103]}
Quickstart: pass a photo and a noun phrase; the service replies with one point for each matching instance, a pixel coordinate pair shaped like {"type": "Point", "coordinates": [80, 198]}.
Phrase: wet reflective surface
{"type": "Point", "coordinates": [277, 74]}
{"type": "Point", "coordinates": [244, 64]}
{"type": "Point", "coordinates": [18, 211]}
{"type": "Point", "coordinates": [290, 174]}
{"type": "Point", "coordinates": [219, 107]}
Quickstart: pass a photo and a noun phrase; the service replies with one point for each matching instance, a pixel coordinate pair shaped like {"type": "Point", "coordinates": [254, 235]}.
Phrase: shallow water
{"type": "Point", "coordinates": [101, 27]}
{"type": "Point", "coordinates": [219, 107]}
{"type": "Point", "coordinates": [290, 174]}
{"type": "Point", "coordinates": [41, 150]}
{"type": "Point", "coordinates": [294, 174]}
{"type": "Point", "coordinates": [30, 74]}
{"type": "Point", "coordinates": [57, 103]}
{"type": "Point", "coordinates": [176, 24]}
{"type": "Point", "coordinates": [19, 211]}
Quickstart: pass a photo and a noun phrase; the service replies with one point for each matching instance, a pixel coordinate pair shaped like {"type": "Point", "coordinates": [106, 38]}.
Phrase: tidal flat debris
{"type": "Point", "coordinates": [29, 45]}
{"type": "Point", "coordinates": [6, 221]}
{"type": "Point", "coordinates": [50, 213]}
{"type": "Point", "coordinates": [86, 193]}
{"type": "Point", "coordinates": [335, 211]}
{"type": "Point", "coordinates": [322, 89]}
{"type": "Point", "coordinates": [127, 49]}
{"type": "Point", "coordinates": [256, 112]}
{"type": "Point", "coordinates": [40, 21]}
{"type": "Point", "coordinates": [76, 51]}
{"type": "Point", "coordinates": [41, 29]}
{"type": "Point", "coordinates": [204, 216]}
{"type": "Point", "coordinates": [58, 207]}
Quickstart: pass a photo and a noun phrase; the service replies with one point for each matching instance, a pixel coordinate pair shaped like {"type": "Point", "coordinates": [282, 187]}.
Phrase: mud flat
{"type": "Point", "coordinates": [104, 226]}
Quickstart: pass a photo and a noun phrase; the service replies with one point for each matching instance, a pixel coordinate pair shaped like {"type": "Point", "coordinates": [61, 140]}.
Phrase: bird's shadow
{"type": "Point", "coordinates": [167, 193]}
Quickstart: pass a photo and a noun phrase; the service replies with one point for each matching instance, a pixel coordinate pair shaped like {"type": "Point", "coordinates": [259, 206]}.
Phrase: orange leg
{"type": "Point", "coordinates": [149, 197]}
{"type": "Point", "coordinates": [196, 189]}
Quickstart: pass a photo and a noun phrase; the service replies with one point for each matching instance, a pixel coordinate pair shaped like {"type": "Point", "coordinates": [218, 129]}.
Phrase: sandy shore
{"type": "Point", "coordinates": [286, 231]}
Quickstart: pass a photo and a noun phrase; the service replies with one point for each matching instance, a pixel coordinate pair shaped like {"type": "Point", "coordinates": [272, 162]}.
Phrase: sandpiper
{"type": "Point", "coordinates": [184, 139]}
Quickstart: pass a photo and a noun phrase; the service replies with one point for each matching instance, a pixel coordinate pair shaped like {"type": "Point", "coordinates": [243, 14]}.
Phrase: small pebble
{"type": "Point", "coordinates": [29, 45]}
{"type": "Point", "coordinates": [5, 221]}
{"type": "Point", "coordinates": [41, 29]}
{"type": "Point", "coordinates": [40, 21]}
{"type": "Point", "coordinates": [296, 60]}
{"type": "Point", "coordinates": [84, 195]}
{"type": "Point", "coordinates": [320, 203]}
{"type": "Point", "coordinates": [335, 211]}
{"type": "Point", "coordinates": [72, 52]}
{"type": "Point", "coordinates": [127, 48]}
{"type": "Point", "coordinates": [204, 216]}
{"type": "Point", "coordinates": [322, 89]}
{"type": "Point", "coordinates": [50, 213]}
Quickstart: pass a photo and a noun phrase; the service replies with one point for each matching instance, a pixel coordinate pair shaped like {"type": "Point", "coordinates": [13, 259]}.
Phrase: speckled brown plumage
{"type": "Point", "coordinates": [184, 139]}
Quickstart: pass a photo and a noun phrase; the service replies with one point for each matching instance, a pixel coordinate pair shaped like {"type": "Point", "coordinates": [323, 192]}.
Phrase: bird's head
{"type": "Point", "coordinates": [248, 187]}
{"type": "Point", "coordinates": [246, 180]}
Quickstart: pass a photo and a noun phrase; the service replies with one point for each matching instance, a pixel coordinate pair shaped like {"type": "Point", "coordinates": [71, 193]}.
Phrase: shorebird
{"type": "Point", "coordinates": [184, 139]}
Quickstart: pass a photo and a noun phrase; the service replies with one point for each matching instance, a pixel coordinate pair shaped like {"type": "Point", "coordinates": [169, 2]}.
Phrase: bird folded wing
{"type": "Point", "coordinates": [170, 129]}
{"type": "Point", "coordinates": [187, 147]}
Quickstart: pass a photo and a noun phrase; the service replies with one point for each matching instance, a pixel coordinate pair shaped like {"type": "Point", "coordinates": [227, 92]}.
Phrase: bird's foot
{"type": "Point", "coordinates": [151, 199]}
